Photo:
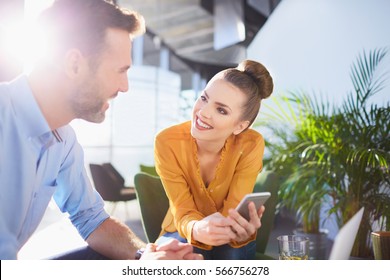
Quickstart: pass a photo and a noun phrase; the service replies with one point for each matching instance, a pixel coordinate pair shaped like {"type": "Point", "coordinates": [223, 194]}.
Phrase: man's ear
{"type": "Point", "coordinates": [241, 126]}
{"type": "Point", "coordinates": [74, 63]}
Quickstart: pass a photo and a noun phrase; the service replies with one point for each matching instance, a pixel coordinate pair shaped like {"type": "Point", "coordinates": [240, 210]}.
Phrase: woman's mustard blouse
{"type": "Point", "coordinates": [190, 201]}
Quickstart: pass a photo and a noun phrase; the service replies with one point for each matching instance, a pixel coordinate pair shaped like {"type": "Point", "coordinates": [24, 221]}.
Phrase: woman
{"type": "Point", "coordinates": [209, 164]}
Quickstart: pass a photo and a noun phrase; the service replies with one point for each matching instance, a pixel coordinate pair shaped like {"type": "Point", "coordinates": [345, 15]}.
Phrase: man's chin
{"type": "Point", "coordinates": [97, 118]}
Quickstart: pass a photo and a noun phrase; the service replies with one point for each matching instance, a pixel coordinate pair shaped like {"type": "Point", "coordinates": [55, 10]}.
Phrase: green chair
{"type": "Point", "coordinates": [267, 181]}
{"type": "Point", "coordinates": [153, 203]}
{"type": "Point", "coordinates": [150, 169]}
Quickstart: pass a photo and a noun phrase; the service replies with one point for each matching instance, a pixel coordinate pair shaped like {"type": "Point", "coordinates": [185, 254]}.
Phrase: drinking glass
{"type": "Point", "coordinates": [293, 247]}
{"type": "Point", "coordinates": [381, 244]}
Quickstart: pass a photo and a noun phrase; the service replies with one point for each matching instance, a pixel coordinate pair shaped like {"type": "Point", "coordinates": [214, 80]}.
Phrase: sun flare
{"type": "Point", "coordinates": [21, 41]}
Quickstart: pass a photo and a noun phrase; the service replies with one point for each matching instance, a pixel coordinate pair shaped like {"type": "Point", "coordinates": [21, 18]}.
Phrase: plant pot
{"type": "Point", "coordinates": [318, 243]}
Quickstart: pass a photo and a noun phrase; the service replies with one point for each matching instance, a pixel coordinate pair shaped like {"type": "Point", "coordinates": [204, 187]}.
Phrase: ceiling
{"type": "Point", "coordinates": [188, 28]}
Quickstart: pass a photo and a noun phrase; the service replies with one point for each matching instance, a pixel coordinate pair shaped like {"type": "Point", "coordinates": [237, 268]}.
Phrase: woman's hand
{"type": "Point", "coordinates": [243, 228]}
{"type": "Point", "coordinates": [214, 230]}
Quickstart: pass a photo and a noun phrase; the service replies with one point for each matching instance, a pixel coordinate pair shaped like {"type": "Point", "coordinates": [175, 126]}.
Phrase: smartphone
{"type": "Point", "coordinates": [258, 198]}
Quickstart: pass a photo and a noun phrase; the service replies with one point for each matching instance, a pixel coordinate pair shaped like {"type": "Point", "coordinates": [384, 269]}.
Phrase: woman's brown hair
{"type": "Point", "coordinates": [254, 80]}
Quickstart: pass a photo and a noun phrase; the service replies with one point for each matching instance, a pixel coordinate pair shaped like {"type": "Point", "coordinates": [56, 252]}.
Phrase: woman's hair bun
{"type": "Point", "coordinates": [260, 75]}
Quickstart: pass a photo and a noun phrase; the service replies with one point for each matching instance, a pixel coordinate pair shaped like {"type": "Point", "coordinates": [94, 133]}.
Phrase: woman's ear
{"type": "Point", "coordinates": [241, 126]}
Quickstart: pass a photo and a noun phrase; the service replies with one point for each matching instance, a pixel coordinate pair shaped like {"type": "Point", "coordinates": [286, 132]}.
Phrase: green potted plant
{"type": "Point", "coordinates": [300, 190]}
{"type": "Point", "coordinates": [335, 157]}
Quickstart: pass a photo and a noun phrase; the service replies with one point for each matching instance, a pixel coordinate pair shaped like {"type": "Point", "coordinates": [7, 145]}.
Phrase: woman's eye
{"type": "Point", "coordinates": [203, 98]}
{"type": "Point", "coordinates": [222, 111]}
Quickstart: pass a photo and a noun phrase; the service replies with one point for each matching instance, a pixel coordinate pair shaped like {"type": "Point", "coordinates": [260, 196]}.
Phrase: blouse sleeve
{"type": "Point", "coordinates": [181, 202]}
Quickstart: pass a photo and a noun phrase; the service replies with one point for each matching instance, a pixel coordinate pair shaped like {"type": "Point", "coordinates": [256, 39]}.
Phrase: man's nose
{"type": "Point", "coordinates": [124, 85]}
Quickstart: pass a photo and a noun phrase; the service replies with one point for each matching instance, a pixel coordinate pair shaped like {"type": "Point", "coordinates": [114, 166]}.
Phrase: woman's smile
{"type": "Point", "coordinates": [202, 125]}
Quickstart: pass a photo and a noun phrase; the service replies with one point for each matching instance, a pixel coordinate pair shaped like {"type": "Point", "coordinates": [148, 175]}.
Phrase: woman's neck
{"type": "Point", "coordinates": [209, 147]}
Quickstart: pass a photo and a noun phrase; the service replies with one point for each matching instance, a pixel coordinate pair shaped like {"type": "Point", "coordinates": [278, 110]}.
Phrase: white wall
{"type": "Point", "coordinates": [311, 44]}
{"type": "Point", "coordinates": [126, 136]}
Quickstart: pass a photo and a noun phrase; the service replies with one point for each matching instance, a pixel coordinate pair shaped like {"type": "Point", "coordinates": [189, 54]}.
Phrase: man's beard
{"type": "Point", "coordinates": [88, 105]}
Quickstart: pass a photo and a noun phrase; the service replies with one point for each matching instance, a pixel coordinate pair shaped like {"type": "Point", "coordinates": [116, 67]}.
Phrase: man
{"type": "Point", "coordinates": [85, 65]}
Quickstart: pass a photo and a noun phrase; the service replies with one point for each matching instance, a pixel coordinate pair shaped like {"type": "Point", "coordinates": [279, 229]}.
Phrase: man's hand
{"type": "Point", "coordinates": [172, 250]}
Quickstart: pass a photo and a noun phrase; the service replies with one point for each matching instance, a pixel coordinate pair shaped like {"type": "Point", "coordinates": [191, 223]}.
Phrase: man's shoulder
{"type": "Point", "coordinates": [5, 101]}
{"type": "Point", "coordinates": [8, 91]}
{"type": "Point", "coordinates": [4, 95]}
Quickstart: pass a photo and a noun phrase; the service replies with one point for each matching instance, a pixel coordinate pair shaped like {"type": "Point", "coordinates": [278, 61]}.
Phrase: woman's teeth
{"type": "Point", "coordinates": [202, 124]}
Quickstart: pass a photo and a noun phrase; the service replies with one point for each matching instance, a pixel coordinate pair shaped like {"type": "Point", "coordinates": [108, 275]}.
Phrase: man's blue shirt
{"type": "Point", "coordinates": [37, 164]}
